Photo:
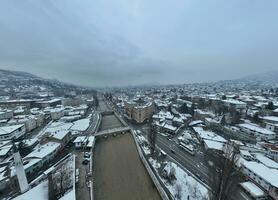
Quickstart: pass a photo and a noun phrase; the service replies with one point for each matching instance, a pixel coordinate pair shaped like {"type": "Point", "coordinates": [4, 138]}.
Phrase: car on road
{"type": "Point", "coordinates": [163, 153]}
{"type": "Point", "coordinates": [172, 150]}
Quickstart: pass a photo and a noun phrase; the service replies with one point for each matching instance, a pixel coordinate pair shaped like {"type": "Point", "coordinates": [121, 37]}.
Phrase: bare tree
{"type": "Point", "coordinates": [61, 180]}
{"type": "Point", "coordinates": [152, 136]}
{"type": "Point", "coordinates": [224, 175]}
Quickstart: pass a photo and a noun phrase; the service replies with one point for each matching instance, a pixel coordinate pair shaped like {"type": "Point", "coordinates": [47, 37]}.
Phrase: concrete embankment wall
{"type": "Point", "coordinates": [159, 187]}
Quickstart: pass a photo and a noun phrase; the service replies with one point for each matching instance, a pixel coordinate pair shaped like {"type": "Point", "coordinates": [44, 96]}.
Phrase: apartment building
{"type": "Point", "coordinates": [139, 111]}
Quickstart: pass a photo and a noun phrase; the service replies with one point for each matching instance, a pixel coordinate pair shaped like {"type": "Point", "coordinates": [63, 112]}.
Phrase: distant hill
{"type": "Point", "coordinates": [266, 79]}
{"type": "Point", "coordinates": [22, 82]}
{"type": "Point", "coordinates": [269, 77]}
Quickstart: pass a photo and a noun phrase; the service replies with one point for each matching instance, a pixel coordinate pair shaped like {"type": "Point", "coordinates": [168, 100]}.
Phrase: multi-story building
{"type": "Point", "coordinates": [232, 103]}
{"type": "Point", "coordinates": [257, 132]}
{"type": "Point", "coordinates": [6, 114]}
{"type": "Point", "coordinates": [263, 176]}
{"type": "Point", "coordinates": [11, 132]}
{"type": "Point", "coordinates": [139, 111]}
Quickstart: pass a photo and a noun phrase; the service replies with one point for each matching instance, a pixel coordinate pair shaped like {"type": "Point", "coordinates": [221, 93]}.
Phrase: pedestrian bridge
{"type": "Point", "coordinates": [113, 130]}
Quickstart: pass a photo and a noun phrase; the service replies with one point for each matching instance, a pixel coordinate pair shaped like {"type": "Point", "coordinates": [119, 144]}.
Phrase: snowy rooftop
{"type": "Point", "coordinates": [4, 150]}
{"type": "Point", "coordinates": [214, 145]}
{"type": "Point", "coordinates": [81, 125]}
{"type": "Point", "coordinates": [271, 118]}
{"type": "Point", "coordinates": [39, 192]}
{"type": "Point", "coordinates": [256, 128]}
{"type": "Point", "coordinates": [30, 142]}
{"type": "Point", "coordinates": [60, 134]}
{"type": "Point", "coordinates": [254, 190]}
{"type": "Point", "coordinates": [79, 139]}
{"type": "Point", "coordinates": [270, 175]}
{"type": "Point", "coordinates": [208, 135]}
{"type": "Point", "coordinates": [44, 150]}
{"type": "Point", "coordinates": [233, 101]}
{"type": "Point", "coordinates": [9, 129]}
{"type": "Point", "coordinates": [266, 161]}
{"type": "Point", "coordinates": [193, 123]}
{"type": "Point", "coordinates": [245, 153]}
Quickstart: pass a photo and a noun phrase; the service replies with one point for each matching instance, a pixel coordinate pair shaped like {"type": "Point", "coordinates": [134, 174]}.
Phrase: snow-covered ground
{"type": "Point", "coordinates": [186, 184]}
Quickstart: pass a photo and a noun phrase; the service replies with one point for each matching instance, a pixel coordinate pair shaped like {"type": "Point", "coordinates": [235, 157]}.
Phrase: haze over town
{"type": "Point", "coordinates": [104, 43]}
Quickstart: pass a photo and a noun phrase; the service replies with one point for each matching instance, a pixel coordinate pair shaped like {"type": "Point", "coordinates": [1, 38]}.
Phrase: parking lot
{"type": "Point", "coordinates": [82, 189]}
{"type": "Point", "coordinates": [118, 171]}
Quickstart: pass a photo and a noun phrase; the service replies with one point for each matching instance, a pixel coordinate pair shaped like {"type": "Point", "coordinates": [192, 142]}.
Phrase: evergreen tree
{"type": "Point", "coordinates": [184, 108]}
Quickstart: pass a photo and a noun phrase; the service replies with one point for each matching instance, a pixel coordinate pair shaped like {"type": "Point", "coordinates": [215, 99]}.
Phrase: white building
{"type": "Point", "coordinates": [80, 141]}
{"type": "Point", "coordinates": [28, 121]}
{"type": "Point", "coordinates": [238, 105]}
{"type": "Point", "coordinates": [40, 156]}
{"type": "Point", "coordinates": [11, 132]}
{"type": "Point", "coordinates": [263, 176]}
{"type": "Point", "coordinates": [253, 190]}
{"type": "Point", "coordinates": [56, 113]}
{"type": "Point", "coordinates": [271, 119]}
{"type": "Point", "coordinates": [6, 114]}
{"type": "Point", "coordinates": [258, 132]}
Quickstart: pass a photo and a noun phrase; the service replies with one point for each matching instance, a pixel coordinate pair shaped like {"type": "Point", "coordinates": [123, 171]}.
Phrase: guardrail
{"type": "Point", "coordinates": [156, 182]}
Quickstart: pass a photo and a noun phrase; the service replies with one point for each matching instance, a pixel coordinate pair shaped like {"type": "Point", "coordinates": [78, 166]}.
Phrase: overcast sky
{"type": "Point", "coordinates": [127, 42]}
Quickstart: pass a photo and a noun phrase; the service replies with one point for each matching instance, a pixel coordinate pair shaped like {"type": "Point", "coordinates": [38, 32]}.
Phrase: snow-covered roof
{"type": "Point", "coordinates": [30, 142]}
{"type": "Point", "coordinates": [9, 129]}
{"type": "Point", "coordinates": [69, 196]}
{"type": "Point", "coordinates": [81, 125]}
{"type": "Point", "coordinates": [80, 139]}
{"type": "Point", "coordinates": [193, 123]}
{"type": "Point", "coordinates": [60, 134]}
{"type": "Point", "coordinates": [39, 192]}
{"type": "Point", "coordinates": [4, 150]}
{"type": "Point", "coordinates": [253, 189]}
{"type": "Point", "coordinates": [170, 127]}
{"type": "Point", "coordinates": [233, 101]}
{"type": "Point", "coordinates": [245, 153]}
{"type": "Point", "coordinates": [266, 161]}
{"type": "Point", "coordinates": [44, 150]}
{"type": "Point", "coordinates": [214, 145]}
{"type": "Point", "coordinates": [271, 118]}
{"type": "Point", "coordinates": [270, 175]}
{"type": "Point", "coordinates": [256, 128]}
{"type": "Point", "coordinates": [208, 135]}
{"type": "Point", "coordinates": [57, 126]}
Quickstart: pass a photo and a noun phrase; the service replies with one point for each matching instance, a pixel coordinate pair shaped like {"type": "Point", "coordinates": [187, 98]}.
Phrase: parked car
{"type": "Point", "coordinates": [85, 162]}
{"type": "Point", "coordinates": [76, 175]}
{"type": "Point", "coordinates": [87, 155]}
